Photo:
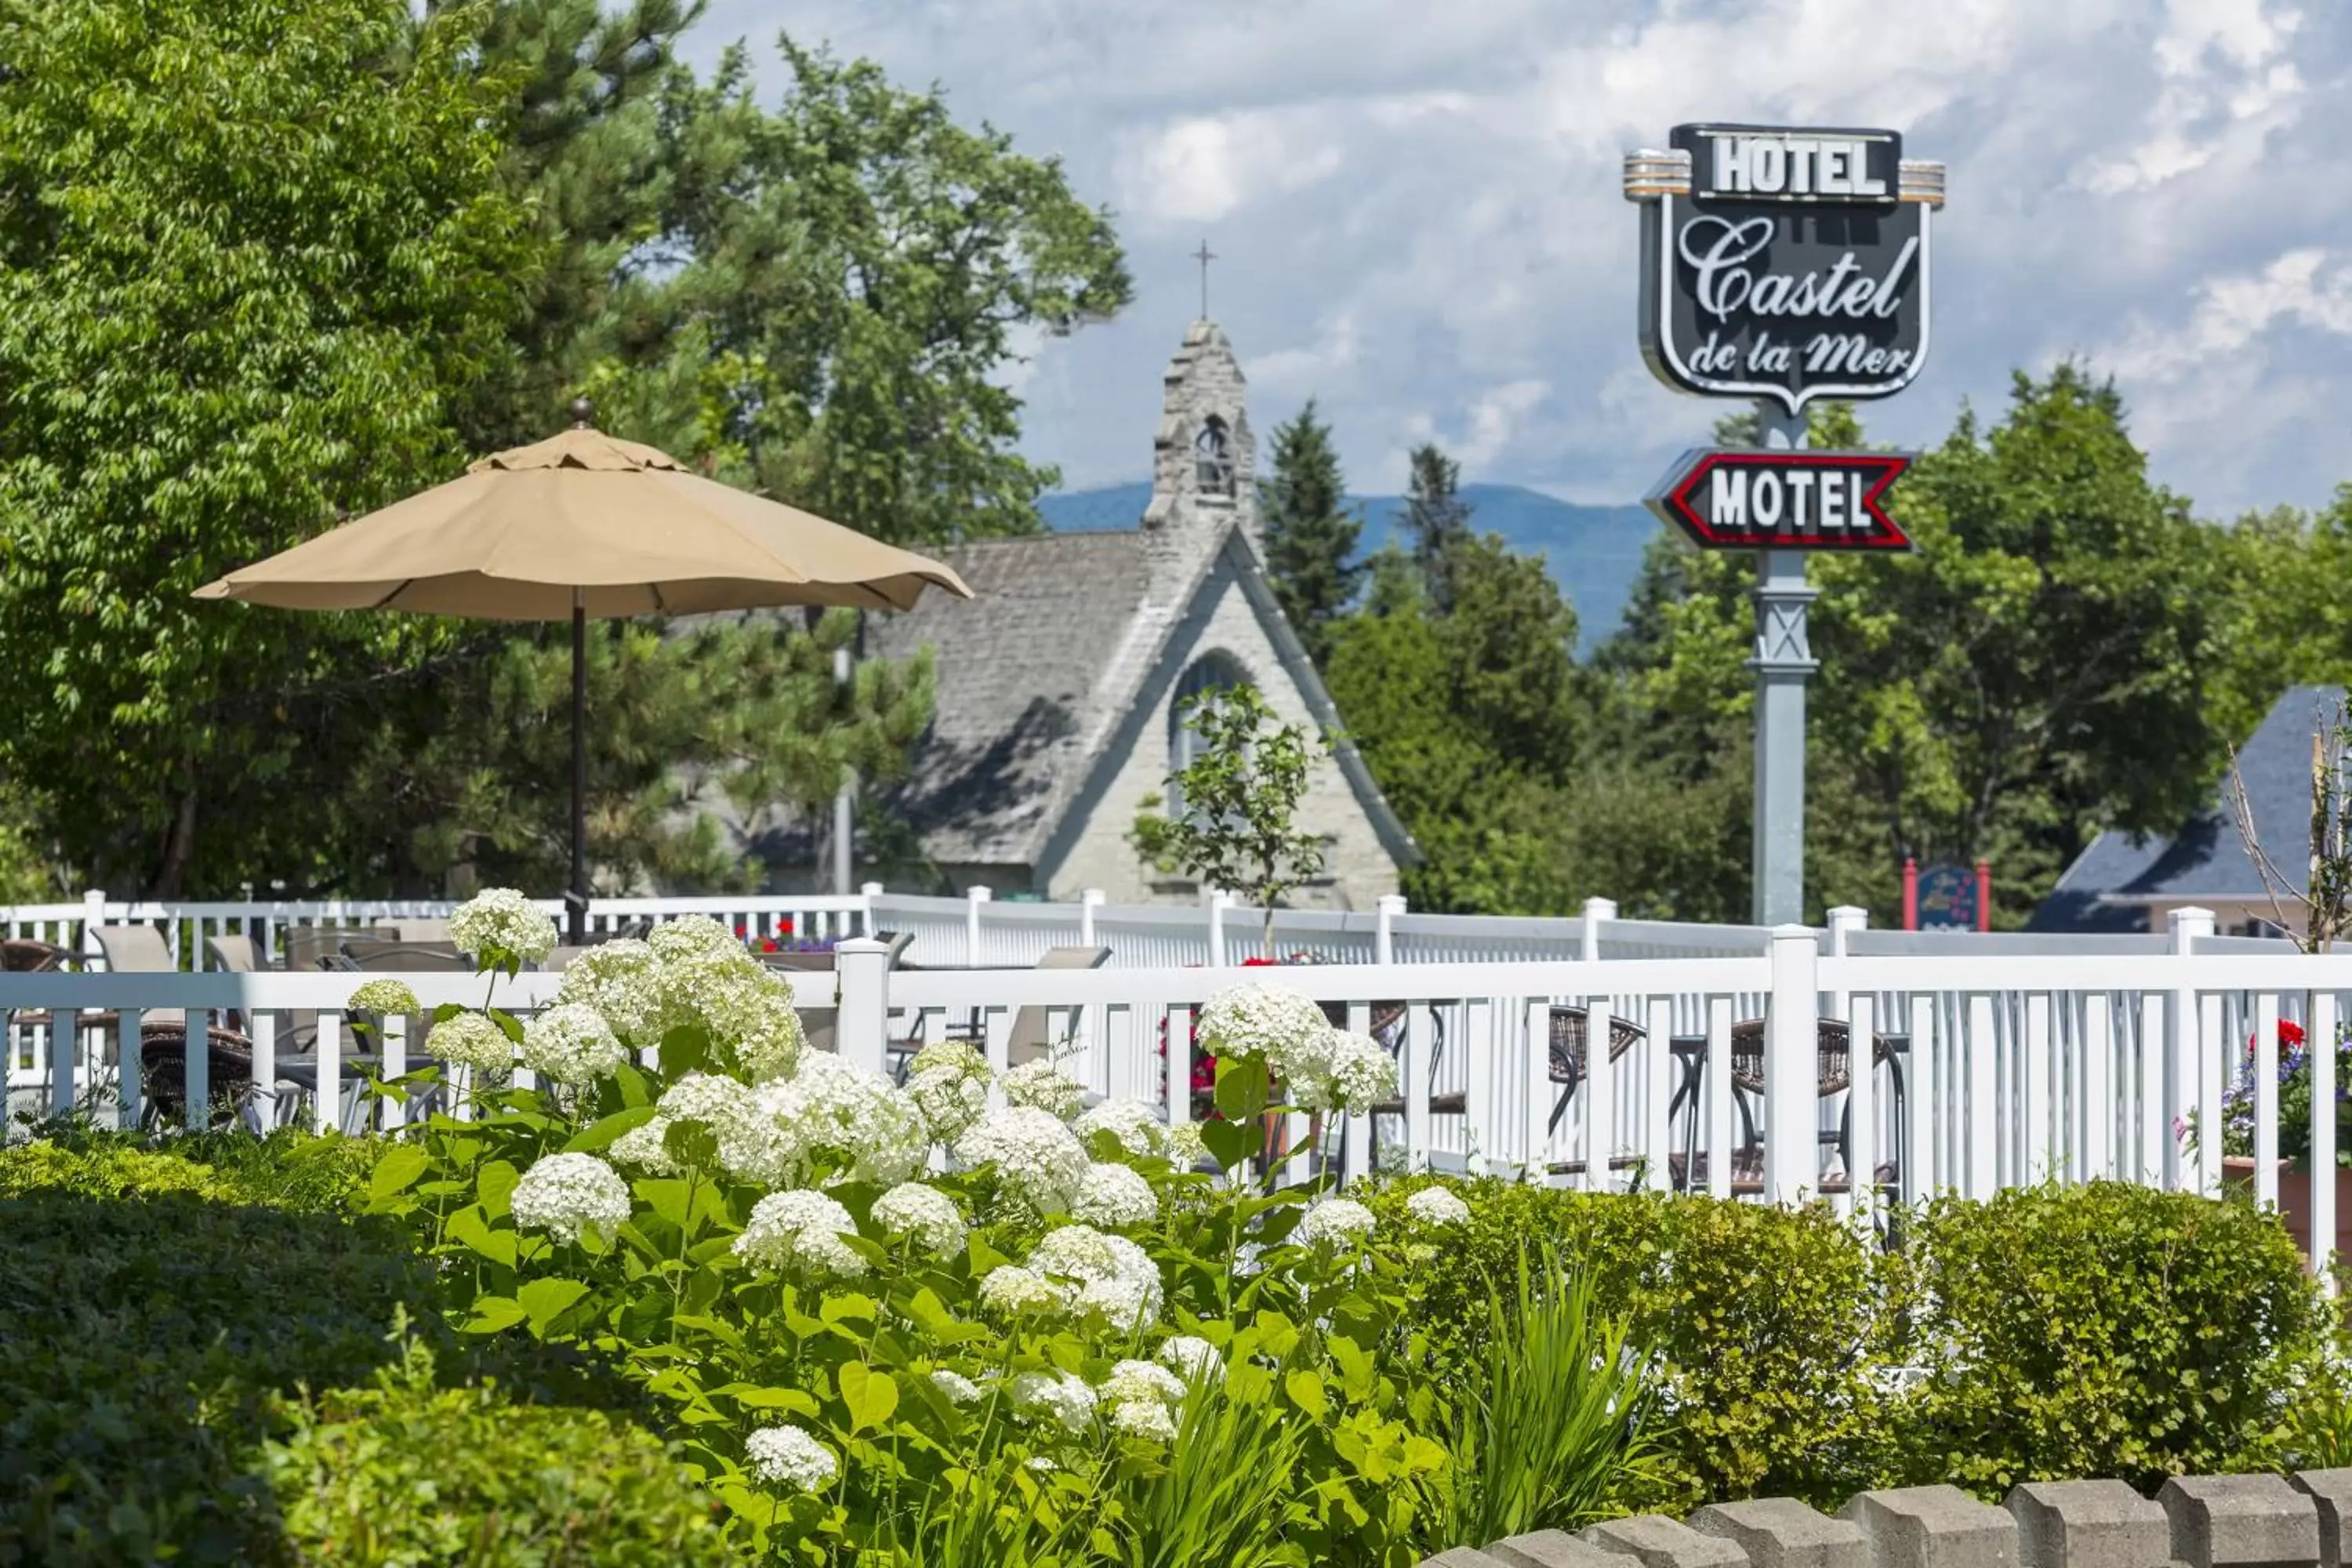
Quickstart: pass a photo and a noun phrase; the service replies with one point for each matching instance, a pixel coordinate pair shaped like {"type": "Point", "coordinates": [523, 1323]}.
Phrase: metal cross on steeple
{"type": "Point", "coordinates": [1204, 256]}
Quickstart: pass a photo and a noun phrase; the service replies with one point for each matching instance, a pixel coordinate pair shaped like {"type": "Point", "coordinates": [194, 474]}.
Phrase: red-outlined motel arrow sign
{"type": "Point", "coordinates": [1767, 498]}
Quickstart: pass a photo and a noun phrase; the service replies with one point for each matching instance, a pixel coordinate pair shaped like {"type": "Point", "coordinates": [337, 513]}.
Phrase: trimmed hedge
{"type": "Point", "coordinates": [2101, 1329]}
{"type": "Point", "coordinates": [1766, 1321]}
{"type": "Point", "coordinates": [159, 1317]}
{"type": "Point", "coordinates": [406, 1472]}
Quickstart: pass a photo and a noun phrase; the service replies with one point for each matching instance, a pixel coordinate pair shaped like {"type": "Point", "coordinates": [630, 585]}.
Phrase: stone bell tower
{"type": "Point", "coordinates": [1204, 457]}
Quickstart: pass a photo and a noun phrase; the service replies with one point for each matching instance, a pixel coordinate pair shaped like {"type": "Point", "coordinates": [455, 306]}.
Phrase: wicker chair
{"type": "Point", "coordinates": [1834, 1074]}
{"type": "Point", "coordinates": [163, 1070]}
{"type": "Point", "coordinates": [1388, 1026]}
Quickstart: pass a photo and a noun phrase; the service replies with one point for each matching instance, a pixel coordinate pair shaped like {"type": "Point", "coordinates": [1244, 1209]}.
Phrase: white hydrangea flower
{"type": "Point", "coordinates": [1114, 1194]}
{"type": "Point", "coordinates": [926, 1214]}
{"type": "Point", "coordinates": [391, 996]}
{"type": "Point", "coordinates": [834, 1105]}
{"type": "Point", "coordinates": [948, 1100]}
{"type": "Point", "coordinates": [564, 1195]}
{"type": "Point", "coordinates": [742, 1005]}
{"type": "Point", "coordinates": [1039, 1160]}
{"type": "Point", "coordinates": [800, 1231]}
{"type": "Point", "coordinates": [955, 1056]}
{"type": "Point", "coordinates": [748, 1146]}
{"type": "Point", "coordinates": [570, 1044]}
{"type": "Point", "coordinates": [959, 1389]}
{"type": "Point", "coordinates": [1186, 1147]}
{"type": "Point", "coordinates": [1012, 1291]}
{"type": "Point", "coordinates": [643, 1149]}
{"type": "Point", "coordinates": [1358, 1074]}
{"type": "Point", "coordinates": [1142, 1380]}
{"type": "Point", "coordinates": [1333, 1219]}
{"type": "Point", "coordinates": [1046, 1087]}
{"type": "Point", "coordinates": [1100, 1274]}
{"type": "Point", "coordinates": [619, 979]}
{"type": "Point", "coordinates": [1136, 1125]}
{"type": "Point", "coordinates": [1064, 1396]}
{"type": "Point", "coordinates": [1438, 1205]}
{"type": "Point", "coordinates": [471, 1039]}
{"type": "Point", "coordinates": [674, 940]}
{"type": "Point", "coordinates": [1191, 1357]}
{"type": "Point", "coordinates": [1146, 1418]}
{"type": "Point", "coordinates": [500, 920]}
{"type": "Point", "coordinates": [1271, 1023]}
{"type": "Point", "coordinates": [789, 1456]}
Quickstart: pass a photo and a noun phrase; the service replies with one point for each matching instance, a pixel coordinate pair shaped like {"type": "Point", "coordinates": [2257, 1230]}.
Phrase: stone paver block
{"type": "Point", "coordinates": [1933, 1527]}
{"type": "Point", "coordinates": [1554, 1549]}
{"type": "Point", "coordinates": [2241, 1522]}
{"type": "Point", "coordinates": [2088, 1524]}
{"type": "Point", "coordinates": [2331, 1493]}
{"type": "Point", "coordinates": [1661, 1543]}
{"type": "Point", "coordinates": [1782, 1532]}
{"type": "Point", "coordinates": [1459, 1557]}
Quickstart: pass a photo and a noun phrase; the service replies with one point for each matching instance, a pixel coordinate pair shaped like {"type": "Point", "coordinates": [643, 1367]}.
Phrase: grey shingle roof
{"type": "Point", "coordinates": [1021, 667]}
{"type": "Point", "coordinates": [2208, 860]}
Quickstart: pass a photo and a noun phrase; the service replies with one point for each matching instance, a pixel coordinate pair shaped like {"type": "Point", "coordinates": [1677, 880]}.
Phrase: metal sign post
{"type": "Point", "coordinates": [1784, 265]}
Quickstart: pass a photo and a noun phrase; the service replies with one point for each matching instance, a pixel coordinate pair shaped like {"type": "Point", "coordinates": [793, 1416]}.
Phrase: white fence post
{"type": "Point", "coordinates": [973, 899]}
{"type": "Point", "coordinates": [2320, 1042]}
{"type": "Point", "coordinates": [1385, 911]}
{"type": "Point", "coordinates": [2183, 1054]}
{"type": "Point", "coordinates": [862, 1027]}
{"type": "Point", "coordinates": [93, 915]}
{"type": "Point", "coordinates": [870, 892]}
{"type": "Point", "coordinates": [1219, 902]}
{"type": "Point", "coordinates": [1090, 902]}
{"type": "Point", "coordinates": [1589, 940]}
{"type": "Point", "coordinates": [1791, 1051]}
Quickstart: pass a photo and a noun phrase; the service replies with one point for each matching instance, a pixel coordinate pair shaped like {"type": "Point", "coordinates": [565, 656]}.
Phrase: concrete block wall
{"type": "Point", "coordinates": [2195, 1521]}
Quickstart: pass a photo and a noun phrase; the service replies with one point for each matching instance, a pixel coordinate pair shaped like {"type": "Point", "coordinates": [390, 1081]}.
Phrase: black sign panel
{"type": "Point", "coordinates": [1771, 500]}
{"type": "Point", "coordinates": [1792, 269]}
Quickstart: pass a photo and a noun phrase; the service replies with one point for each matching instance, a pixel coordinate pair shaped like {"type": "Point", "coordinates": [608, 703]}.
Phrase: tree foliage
{"type": "Point", "coordinates": [1240, 798]}
{"type": "Point", "coordinates": [265, 270]}
{"type": "Point", "coordinates": [1310, 533]}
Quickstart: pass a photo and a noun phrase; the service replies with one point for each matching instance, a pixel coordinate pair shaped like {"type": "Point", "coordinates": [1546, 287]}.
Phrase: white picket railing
{"type": "Point", "coordinates": [974, 932]}
{"type": "Point", "coordinates": [2002, 1067]}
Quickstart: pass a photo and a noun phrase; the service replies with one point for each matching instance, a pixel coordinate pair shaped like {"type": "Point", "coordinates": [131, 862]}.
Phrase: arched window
{"type": "Point", "coordinates": [1209, 674]}
{"type": "Point", "coordinates": [1213, 457]}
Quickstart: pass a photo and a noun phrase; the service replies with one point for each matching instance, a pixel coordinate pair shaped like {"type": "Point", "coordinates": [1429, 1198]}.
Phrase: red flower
{"type": "Point", "coordinates": [785, 925]}
{"type": "Point", "coordinates": [2290, 1035]}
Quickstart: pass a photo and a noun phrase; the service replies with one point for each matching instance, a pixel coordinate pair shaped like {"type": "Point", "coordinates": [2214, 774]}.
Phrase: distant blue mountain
{"type": "Point", "coordinates": [1594, 552]}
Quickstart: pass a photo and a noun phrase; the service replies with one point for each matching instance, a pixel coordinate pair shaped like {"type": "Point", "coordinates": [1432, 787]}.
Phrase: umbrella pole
{"type": "Point", "coordinates": [575, 901]}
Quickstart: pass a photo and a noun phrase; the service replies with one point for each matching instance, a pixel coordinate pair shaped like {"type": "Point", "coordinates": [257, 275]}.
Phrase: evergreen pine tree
{"type": "Point", "coordinates": [1437, 519]}
{"type": "Point", "coordinates": [1310, 536]}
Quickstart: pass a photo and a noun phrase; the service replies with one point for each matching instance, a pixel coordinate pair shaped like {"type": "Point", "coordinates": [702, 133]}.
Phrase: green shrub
{"type": "Point", "coordinates": [408, 1474]}
{"type": "Point", "coordinates": [148, 1317]}
{"type": "Point", "coordinates": [2103, 1329]}
{"type": "Point", "coordinates": [1766, 1321]}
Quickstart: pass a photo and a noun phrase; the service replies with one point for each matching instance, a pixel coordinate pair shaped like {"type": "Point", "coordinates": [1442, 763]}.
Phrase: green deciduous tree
{"type": "Point", "coordinates": [1310, 533]}
{"type": "Point", "coordinates": [1436, 520]}
{"type": "Point", "coordinates": [1240, 798]}
{"type": "Point", "coordinates": [245, 255]}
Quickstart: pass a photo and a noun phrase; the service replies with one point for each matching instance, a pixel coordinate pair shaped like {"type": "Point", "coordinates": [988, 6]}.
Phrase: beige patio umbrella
{"type": "Point", "coordinates": [577, 526]}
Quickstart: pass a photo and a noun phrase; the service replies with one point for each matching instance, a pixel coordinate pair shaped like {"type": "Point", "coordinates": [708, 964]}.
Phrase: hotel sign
{"type": "Point", "coordinates": [1785, 264]}
{"type": "Point", "coordinates": [1760, 499]}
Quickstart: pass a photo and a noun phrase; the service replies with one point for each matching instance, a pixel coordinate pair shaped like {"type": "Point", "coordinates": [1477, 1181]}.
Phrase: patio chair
{"type": "Point", "coordinates": [234, 953]}
{"type": "Point", "coordinates": [1833, 1057]}
{"type": "Point", "coordinates": [308, 947]}
{"type": "Point", "coordinates": [1388, 1025]}
{"type": "Point", "coordinates": [1031, 1037]}
{"type": "Point", "coordinates": [163, 1070]}
{"type": "Point", "coordinates": [383, 957]}
{"type": "Point", "coordinates": [26, 955]}
{"type": "Point", "coordinates": [1570, 1031]}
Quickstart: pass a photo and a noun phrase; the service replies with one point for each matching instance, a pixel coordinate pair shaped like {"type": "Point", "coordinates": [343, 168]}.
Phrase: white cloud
{"type": "Point", "coordinates": [1419, 214]}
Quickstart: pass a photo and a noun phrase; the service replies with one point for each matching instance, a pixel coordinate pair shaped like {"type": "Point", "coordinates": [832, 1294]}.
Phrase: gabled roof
{"type": "Point", "coordinates": [2208, 860]}
{"type": "Point", "coordinates": [1044, 677]}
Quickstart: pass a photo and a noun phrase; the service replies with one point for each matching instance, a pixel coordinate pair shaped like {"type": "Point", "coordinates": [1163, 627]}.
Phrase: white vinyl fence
{"type": "Point", "coordinates": [1993, 1067]}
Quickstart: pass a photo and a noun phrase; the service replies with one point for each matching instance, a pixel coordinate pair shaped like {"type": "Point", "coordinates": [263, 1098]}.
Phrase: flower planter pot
{"type": "Point", "coordinates": [2295, 1198]}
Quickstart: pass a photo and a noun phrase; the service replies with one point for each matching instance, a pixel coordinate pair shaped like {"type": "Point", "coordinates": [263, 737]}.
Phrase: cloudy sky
{"type": "Point", "coordinates": [1417, 207]}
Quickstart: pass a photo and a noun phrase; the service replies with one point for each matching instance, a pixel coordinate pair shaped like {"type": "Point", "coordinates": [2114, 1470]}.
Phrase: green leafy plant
{"type": "Point", "coordinates": [2102, 1330]}
{"type": "Point", "coordinates": [1240, 798]}
{"type": "Point", "coordinates": [1545, 1439]}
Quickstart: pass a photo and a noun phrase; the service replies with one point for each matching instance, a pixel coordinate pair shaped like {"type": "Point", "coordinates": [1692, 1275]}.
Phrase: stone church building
{"type": "Point", "coordinates": [1059, 681]}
